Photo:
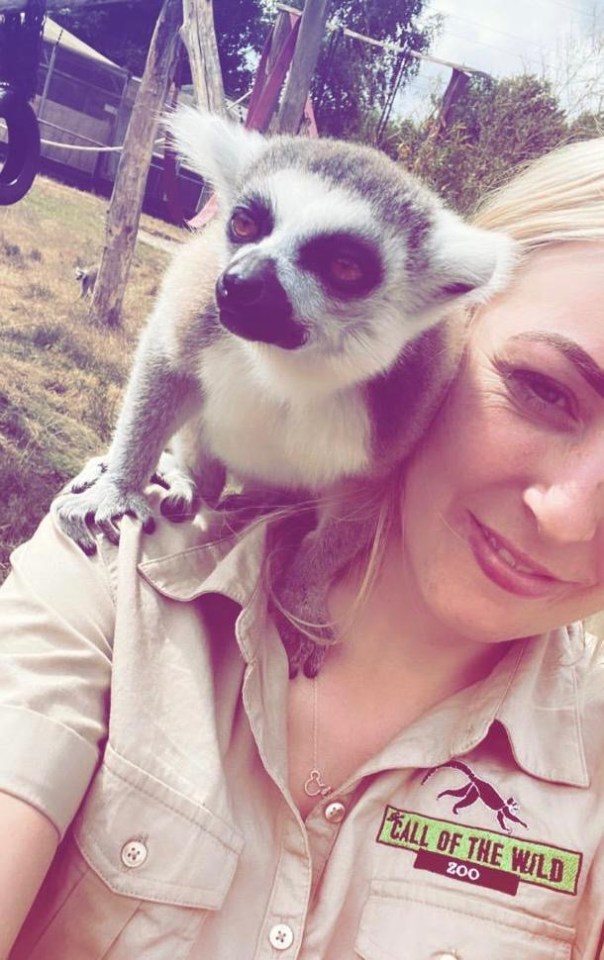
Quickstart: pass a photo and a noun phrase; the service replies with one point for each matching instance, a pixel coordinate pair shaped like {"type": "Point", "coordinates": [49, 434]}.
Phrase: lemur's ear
{"type": "Point", "coordinates": [215, 148]}
{"type": "Point", "coordinates": [466, 261]}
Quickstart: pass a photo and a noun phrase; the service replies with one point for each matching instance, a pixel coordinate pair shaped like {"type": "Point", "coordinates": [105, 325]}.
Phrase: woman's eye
{"type": "Point", "coordinates": [243, 227]}
{"type": "Point", "coordinates": [345, 270]}
{"type": "Point", "coordinates": [539, 392]}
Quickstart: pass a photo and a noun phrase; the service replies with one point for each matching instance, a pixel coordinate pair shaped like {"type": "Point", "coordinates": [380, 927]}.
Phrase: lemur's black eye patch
{"type": "Point", "coordinates": [250, 220]}
{"type": "Point", "coordinates": [348, 265]}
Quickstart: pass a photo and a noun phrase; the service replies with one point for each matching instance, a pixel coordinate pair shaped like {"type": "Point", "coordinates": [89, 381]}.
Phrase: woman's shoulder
{"type": "Point", "coordinates": [179, 558]}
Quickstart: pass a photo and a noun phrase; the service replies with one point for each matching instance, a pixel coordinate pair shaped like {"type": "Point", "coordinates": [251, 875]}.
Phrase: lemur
{"type": "Point", "coordinates": [295, 342]}
{"type": "Point", "coordinates": [87, 277]}
{"type": "Point", "coordinates": [477, 789]}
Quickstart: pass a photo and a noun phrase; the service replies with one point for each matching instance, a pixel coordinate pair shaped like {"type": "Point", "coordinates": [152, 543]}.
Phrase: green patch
{"type": "Point", "coordinates": [528, 861]}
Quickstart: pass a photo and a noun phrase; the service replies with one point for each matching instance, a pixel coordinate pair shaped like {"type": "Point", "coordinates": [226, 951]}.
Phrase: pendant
{"type": "Point", "coordinates": [314, 786]}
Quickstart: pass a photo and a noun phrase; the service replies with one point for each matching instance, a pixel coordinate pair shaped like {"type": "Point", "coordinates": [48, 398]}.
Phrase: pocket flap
{"type": "Point", "coordinates": [404, 921]}
{"type": "Point", "coordinates": [146, 840]}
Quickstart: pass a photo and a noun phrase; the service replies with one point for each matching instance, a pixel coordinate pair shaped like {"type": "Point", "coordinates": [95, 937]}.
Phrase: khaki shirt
{"type": "Point", "coordinates": [143, 709]}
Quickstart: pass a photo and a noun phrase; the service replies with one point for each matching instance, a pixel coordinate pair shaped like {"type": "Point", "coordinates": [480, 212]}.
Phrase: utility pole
{"type": "Point", "coordinates": [129, 188]}
{"type": "Point", "coordinates": [308, 46]}
{"type": "Point", "coordinates": [199, 37]}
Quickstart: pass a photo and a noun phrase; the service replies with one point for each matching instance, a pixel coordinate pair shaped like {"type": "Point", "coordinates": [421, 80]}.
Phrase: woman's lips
{"type": "Point", "coordinates": [506, 567]}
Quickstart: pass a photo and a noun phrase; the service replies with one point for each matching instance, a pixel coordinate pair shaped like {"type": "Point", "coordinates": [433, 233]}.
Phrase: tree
{"type": "Point", "coordinates": [122, 32]}
{"type": "Point", "coordinates": [575, 67]}
{"type": "Point", "coordinates": [241, 27]}
{"type": "Point", "coordinates": [353, 79]}
{"type": "Point", "coordinates": [493, 127]}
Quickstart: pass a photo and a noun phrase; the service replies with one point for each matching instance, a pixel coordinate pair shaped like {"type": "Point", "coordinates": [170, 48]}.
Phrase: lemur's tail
{"type": "Point", "coordinates": [454, 764]}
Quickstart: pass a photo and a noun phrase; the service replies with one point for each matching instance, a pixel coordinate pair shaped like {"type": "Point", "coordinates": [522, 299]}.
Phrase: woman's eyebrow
{"type": "Point", "coordinates": [579, 358]}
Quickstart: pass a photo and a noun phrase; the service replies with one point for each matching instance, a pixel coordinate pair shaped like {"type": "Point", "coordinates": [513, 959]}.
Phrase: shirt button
{"type": "Point", "coordinates": [134, 853]}
{"type": "Point", "coordinates": [281, 936]}
{"type": "Point", "coordinates": [446, 955]}
{"type": "Point", "coordinates": [334, 812]}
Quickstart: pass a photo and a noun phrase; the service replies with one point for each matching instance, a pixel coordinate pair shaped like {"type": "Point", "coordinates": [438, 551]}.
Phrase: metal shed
{"type": "Point", "coordinates": [84, 99]}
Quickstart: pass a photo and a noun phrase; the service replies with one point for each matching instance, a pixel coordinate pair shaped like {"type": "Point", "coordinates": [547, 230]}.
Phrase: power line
{"type": "Point", "coordinates": [484, 26]}
{"type": "Point", "coordinates": [387, 45]}
{"type": "Point", "coordinates": [567, 6]}
{"type": "Point", "coordinates": [512, 53]}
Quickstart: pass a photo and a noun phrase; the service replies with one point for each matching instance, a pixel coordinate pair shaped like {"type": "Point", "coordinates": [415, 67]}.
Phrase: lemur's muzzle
{"type": "Point", "coordinates": [254, 305]}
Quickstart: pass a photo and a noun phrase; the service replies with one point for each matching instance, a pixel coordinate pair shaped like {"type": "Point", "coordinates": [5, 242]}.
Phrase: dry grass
{"type": "Point", "coordinates": [61, 377]}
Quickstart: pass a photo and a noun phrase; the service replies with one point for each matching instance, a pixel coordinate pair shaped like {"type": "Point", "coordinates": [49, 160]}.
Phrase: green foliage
{"type": "Point", "coordinates": [240, 32]}
{"type": "Point", "coordinates": [122, 32]}
{"type": "Point", "coordinates": [353, 80]}
{"type": "Point", "coordinates": [586, 126]}
{"type": "Point", "coordinates": [493, 127]}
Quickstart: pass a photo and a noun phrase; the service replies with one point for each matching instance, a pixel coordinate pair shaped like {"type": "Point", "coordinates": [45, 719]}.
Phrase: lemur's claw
{"type": "Point", "coordinates": [99, 509]}
{"type": "Point", "coordinates": [303, 653]}
{"type": "Point", "coordinates": [182, 499]}
{"type": "Point", "coordinates": [314, 661]}
{"type": "Point", "coordinates": [87, 477]}
{"type": "Point", "coordinates": [178, 507]}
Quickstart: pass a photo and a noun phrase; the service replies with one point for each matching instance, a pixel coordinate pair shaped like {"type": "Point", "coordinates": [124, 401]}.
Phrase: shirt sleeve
{"type": "Point", "coordinates": [56, 630]}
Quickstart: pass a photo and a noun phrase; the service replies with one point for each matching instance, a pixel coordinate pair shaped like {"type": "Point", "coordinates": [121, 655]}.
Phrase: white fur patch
{"type": "Point", "coordinates": [303, 443]}
{"type": "Point", "coordinates": [217, 149]}
{"type": "Point", "coordinates": [307, 205]}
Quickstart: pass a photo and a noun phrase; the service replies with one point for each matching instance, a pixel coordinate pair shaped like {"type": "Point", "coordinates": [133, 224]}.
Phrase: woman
{"type": "Point", "coordinates": [437, 791]}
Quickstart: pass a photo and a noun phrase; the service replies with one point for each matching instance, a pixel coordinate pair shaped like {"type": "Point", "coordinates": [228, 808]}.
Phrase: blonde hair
{"type": "Point", "coordinates": [555, 199]}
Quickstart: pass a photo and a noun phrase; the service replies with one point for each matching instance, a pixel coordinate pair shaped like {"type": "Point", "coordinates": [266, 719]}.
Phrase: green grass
{"type": "Point", "coordinates": [61, 377]}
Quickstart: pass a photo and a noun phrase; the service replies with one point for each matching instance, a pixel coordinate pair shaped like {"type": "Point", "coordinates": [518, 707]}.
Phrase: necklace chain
{"type": "Point", "coordinates": [314, 785]}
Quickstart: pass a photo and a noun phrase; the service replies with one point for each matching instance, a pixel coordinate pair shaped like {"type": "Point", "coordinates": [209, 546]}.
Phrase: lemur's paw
{"type": "Point", "coordinates": [99, 509]}
{"type": "Point", "coordinates": [314, 659]}
{"type": "Point", "coordinates": [302, 652]}
{"type": "Point", "coordinates": [87, 477]}
{"type": "Point", "coordinates": [307, 604]}
{"type": "Point", "coordinates": [182, 500]}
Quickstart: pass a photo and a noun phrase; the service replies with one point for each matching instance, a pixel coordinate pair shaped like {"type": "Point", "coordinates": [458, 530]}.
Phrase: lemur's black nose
{"type": "Point", "coordinates": [239, 287]}
{"type": "Point", "coordinates": [254, 305]}
{"type": "Point", "coordinates": [251, 281]}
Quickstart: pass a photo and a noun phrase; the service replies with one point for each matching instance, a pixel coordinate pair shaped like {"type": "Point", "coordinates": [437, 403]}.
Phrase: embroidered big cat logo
{"type": "Point", "coordinates": [478, 789]}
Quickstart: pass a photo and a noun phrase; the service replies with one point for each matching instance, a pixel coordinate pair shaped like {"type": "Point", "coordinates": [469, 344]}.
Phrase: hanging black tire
{"type": "Point", "coordinates": [23, 148]}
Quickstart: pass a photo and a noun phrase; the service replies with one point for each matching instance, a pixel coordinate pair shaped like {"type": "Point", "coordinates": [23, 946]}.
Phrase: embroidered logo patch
{"type": "Point", "coordinates": [477, 789]}
{"type": "Point", "coordinates": [483, 857]}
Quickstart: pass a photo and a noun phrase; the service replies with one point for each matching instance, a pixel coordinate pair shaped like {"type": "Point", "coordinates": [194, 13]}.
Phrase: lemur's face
{"type": "Point", "coordinates": [332, 249]}
{"type": "Point", "coordinates": [306, 264]}
{"type": "Point", "coordinates": [329, 246]}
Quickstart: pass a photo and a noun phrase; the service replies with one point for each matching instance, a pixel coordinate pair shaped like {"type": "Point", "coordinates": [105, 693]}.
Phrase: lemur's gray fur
{"type": "Point", "coordinates": [296, 354]}
{"type": "Point", "coordinates": [87, 277]}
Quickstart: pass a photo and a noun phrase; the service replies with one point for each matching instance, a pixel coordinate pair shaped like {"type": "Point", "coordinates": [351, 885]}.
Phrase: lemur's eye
{"type": "Point", "coordinates": [345, 270]}
{"type": "Point", "coordinates": [243, 227]}
{"type": "Point", "coordinates": [348, 265]}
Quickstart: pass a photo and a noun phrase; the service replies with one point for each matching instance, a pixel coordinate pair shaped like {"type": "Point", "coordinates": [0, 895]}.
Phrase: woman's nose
{"type": "Point", "coordinates": [569, 512]}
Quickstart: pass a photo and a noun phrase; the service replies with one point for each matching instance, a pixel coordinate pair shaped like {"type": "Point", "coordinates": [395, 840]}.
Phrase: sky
{"type": "Point", "coordinates": [560, 39]}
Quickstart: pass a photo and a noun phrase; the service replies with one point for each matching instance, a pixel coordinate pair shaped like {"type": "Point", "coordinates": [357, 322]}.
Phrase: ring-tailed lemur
{"type": "Point", "coordinates": [87, 277]}
{"type": "Point", "coordinates": [284, 341]}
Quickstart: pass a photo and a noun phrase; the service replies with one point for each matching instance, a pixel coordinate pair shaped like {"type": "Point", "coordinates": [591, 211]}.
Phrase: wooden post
{"type": "Point", "coordinates": [303, 66]}
{"type": "Point", "coordinates": [129, 188]}
{"type": "Point", "coordinates": [199, 37]}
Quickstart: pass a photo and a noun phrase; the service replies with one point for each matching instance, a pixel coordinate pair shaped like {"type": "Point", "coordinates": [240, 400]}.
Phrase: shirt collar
{"type": "Point", "coordinates": [541, 709]}
{"type": "Point", "coordinates": [229, 565]}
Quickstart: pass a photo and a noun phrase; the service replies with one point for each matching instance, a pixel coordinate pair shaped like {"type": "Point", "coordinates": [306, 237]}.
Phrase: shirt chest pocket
{"type": "Point", "coordinates": [404, 921]}
{"type": "Point", "coordinates": [140, 872]}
